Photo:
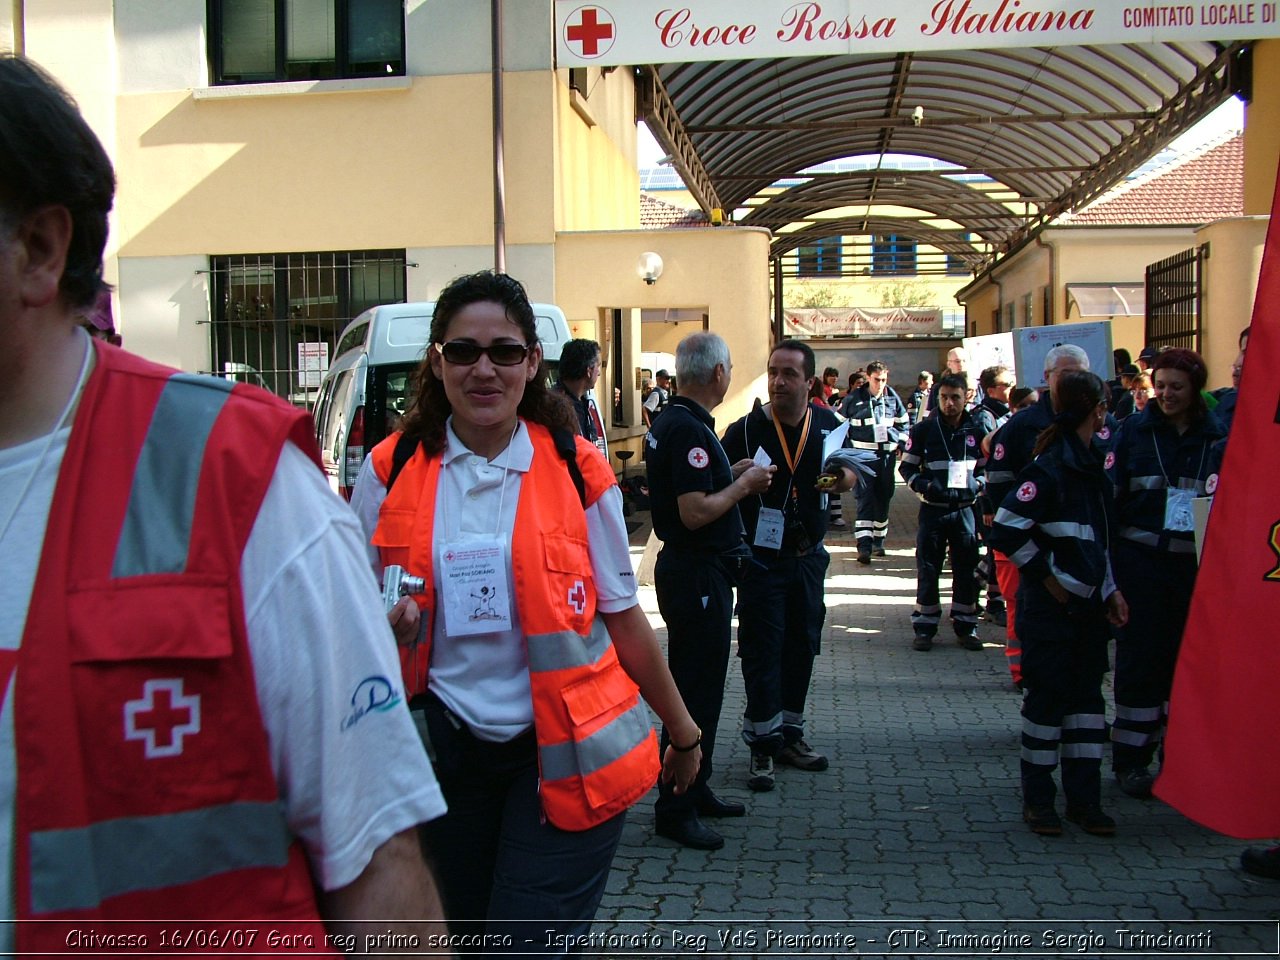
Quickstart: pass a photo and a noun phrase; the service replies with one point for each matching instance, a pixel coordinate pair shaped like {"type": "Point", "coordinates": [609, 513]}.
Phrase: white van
{"type": "Point", "coordinates": [366, 389]}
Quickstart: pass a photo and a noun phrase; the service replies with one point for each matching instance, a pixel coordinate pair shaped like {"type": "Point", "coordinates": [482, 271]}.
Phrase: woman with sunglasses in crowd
{"type": "Point", "coordinates": [526, 645]}
{"type": "Point", "coordinates": [1161, 460]}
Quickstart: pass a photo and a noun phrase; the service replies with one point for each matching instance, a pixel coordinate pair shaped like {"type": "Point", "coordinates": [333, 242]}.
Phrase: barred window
{"type": "Point", "coordinates": [277, 316]}
{"type": "Point", "coordinates": [821, 259]}
{"type": "Point", "coordinates": [262, 41]}
{"type": "Point", "coordinates": [893, 253]}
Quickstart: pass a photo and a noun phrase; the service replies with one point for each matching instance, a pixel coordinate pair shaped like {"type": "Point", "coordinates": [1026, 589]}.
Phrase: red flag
{"type": "Point", "coordinates": [1222, 752]}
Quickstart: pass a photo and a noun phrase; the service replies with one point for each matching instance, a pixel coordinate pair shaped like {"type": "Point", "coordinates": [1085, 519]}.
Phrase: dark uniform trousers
{"type": "Point", "coordinates": [874, 496]}
{"type": "Point", "coordinates": [1064, 659]}
{"type": "Point", "coordinates": [942, 528]}
{"type": "Point", "coordinates": [780, 617]}
{"type": "Point", "coordinates": [695, 598]}
{"type": "Point", "coordinates": [1157, 586]}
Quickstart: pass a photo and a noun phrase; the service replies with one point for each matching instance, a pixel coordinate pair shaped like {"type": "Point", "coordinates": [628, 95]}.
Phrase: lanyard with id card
{"type": "Point", "coordinates": [1179, 515]}
{"type": "Point", "coordinates": [771, 524]}
{"type": "Point", "coordinates": [879, 428]}
{"type": "Point", "coordinates": [473, 586]}
{"type": "Point", "coordinates": [957, 470]}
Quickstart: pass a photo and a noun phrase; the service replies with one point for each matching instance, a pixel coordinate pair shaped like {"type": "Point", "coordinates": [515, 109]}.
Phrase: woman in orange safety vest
{"type": "Point", "coordinates": [526, 651]}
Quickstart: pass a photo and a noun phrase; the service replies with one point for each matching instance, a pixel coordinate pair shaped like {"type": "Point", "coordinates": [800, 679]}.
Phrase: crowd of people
{"type": "Point", "coordinates": [467, 744]}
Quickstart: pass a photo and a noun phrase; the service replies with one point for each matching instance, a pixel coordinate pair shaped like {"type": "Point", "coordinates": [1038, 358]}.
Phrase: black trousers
{"type": "Point", "coordinates": [695, 598]}
{"type": "Point", "coordinates": [496, 855]}
{"type": "Point", "coordinates": [780, 617]}
{"type": "Point", "coordinates": [1064, 657]}
{"type": "Point", "coordinates": [1157, 585]}
{"type": "Point", "coordinates": [942, 529]}
{"type": "Point", "coordinates": [874, 496]}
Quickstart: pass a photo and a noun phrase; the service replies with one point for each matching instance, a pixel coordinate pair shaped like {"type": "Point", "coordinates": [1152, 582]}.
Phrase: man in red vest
{"type": "Point", "coordinates": [201, 715]}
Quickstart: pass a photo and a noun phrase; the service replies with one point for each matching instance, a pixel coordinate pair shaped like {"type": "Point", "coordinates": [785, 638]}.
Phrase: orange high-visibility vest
{"type": "Point", "coordinates": [597, 751]}
{"type": "Point", "coordinates": [144, 785]}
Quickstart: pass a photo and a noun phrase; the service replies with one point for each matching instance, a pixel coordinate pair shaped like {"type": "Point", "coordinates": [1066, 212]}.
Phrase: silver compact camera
{"type": "Point", "coordinates": [396, 584]}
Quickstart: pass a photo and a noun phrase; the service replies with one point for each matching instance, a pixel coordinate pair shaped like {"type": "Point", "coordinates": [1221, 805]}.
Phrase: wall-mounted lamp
{"type": "Point", "coordinates": [649, 267]}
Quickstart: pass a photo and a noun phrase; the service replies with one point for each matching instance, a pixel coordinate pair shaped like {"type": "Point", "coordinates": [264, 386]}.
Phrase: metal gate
{"type": "Point", "coordinates": [1174, 300]}
{"type": "Point", "coordinates": [276, 318]}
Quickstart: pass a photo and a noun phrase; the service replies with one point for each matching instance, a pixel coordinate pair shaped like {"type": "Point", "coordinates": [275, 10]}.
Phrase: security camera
{"type": "Point", "coordinates": [917, 116]}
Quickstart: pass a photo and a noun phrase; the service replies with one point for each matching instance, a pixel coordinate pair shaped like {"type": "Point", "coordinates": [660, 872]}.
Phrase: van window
{"type": "Point", "coordinates": [333, 426]}
{"type": "Point", "coordinates": [353, 338]}
{"type": "Point", "coordinates": [389, 393]}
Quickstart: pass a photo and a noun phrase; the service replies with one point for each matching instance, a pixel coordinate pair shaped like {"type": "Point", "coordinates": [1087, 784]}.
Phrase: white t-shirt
{"type": "Point", "coordinates": [316, 630]}
{"type": "Point", "coordinates": [484, 679]}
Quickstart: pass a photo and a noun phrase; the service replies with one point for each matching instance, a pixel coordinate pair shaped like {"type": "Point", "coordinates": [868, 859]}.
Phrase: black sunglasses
{"type": "Point", "coordinates": [464, 353]}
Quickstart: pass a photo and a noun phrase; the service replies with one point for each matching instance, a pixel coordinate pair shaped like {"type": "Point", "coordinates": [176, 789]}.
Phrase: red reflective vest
{"type": "Point", "coordinates": [145, 790]}
{"type": "Point", "coordinates": [597, 752]}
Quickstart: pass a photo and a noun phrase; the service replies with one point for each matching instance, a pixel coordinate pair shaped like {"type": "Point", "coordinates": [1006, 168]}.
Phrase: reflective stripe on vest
{"type": "Point", "coordinates": [157, 524]}
{"type": "Point", "coordinates": [566, 649]}
{"type": "Point", "coordinates": [152, 853]}
{"type": "Point", "coordinates": [611, 742]}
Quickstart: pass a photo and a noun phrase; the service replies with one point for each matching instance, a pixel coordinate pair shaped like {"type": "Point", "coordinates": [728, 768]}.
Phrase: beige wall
{"type": "Point", "coordinates": [722, 271]}
{"type": "Point", "coordinates": [1230, 282]}
{"type": "Point", "coordinates": [257, 173]}
{"type": "Point", "coordinates": [597, 187]}
{"type": "Point", "coordinates": [1262, 129]}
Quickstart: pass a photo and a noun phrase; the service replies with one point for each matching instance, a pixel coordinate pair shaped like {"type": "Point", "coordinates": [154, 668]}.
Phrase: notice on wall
{"type": "Point", "coordinates": [313, 361]}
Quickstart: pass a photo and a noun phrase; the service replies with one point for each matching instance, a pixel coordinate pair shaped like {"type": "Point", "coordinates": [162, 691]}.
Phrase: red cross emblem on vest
{"type": "Point", "coordinates": [590, 27]}
{"type": "Point", "coordinates": [578, 596]}
{"type": "Point", "coordinates": [161, 718]}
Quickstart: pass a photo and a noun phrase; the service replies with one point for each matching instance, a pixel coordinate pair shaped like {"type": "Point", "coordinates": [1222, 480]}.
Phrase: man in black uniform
{"type": "Point", "coordinates": [780, 605]}
{"type": "Point", "coordinates": [694, 496]}
{"type": "Point", "coordinates": [877, 423]}
{"type": "Point", "coordinates": [579, 371]}
{"type": "Point", "coordinates": [941, 466]}
{"type": "Point", "coordinates": [991, 413]}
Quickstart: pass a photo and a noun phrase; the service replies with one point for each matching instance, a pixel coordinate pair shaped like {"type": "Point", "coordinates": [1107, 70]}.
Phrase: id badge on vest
{"type": "Point", "coordinates": [473, 587]}
{"type": "Point", "coordinates": [958, 474]}
{"type": "Point", "coordinates": [881, 431]}
{"type": "Point", "coordinates": [1178, 513]}
{"type": "Point", "coordinates": [769, 528]}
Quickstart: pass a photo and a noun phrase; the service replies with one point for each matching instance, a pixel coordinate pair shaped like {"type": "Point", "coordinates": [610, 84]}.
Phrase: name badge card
{"type": "Point", "coordinates": [474, 587]}
{"type": "Point", "coordinates": [769, 528]}
{"type": "Point", "coordinates": [881, 431]}
{"type": "Point", "coordinates": [1179, 514]}
{"type": "Point", "coordinates": [958, 474]}
{"type": "Point", "coordinates": [762, 458]}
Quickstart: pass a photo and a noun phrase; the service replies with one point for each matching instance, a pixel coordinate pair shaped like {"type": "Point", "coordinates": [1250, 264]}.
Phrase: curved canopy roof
{"type": "Point", "coordinates": [1022, 134]}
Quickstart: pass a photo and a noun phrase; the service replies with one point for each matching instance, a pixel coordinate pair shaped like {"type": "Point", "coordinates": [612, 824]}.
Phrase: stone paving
{"type": "Point", "coordinates": [916, 827]}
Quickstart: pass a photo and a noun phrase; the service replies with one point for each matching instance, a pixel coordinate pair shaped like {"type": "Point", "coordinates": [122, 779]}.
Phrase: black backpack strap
{"type": "Point", "coordinates": [567, 446]}
{"type": "Point", "coordinates": [405, 448]}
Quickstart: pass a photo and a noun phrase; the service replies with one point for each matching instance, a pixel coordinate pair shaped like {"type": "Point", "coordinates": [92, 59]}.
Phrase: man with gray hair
{"type": "Point", "coordinates": [694, 493]}
{"type": "Point", "coordinates": [1011, 449]}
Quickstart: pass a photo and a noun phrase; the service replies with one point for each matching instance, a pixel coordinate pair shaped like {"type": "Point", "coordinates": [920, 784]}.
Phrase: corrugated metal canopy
{"type": "Point", "coordinates": [1024, 134]}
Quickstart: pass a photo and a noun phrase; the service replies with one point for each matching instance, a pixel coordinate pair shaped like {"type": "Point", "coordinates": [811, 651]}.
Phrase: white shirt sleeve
{"type": "Point", "coordinates": [351, 769]}
{"type": "Point", "coordinates": [366, 501]}
{"type": "Point", "coordinates": [610, 554]}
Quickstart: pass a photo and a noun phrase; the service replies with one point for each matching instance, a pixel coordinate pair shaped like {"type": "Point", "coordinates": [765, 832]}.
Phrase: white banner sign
{"type": "Point", "coordinates": [624, 32]}
{"type": "Point", "coordinates": [855, 321]}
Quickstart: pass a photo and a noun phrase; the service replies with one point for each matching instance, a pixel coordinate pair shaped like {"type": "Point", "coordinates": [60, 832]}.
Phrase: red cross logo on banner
{"type": "Point", "coordinates": [161, 718]}
{"type": "Point", "coordinates": [578, 597]}
{"type": "Point", "coordinates": [589, 28]}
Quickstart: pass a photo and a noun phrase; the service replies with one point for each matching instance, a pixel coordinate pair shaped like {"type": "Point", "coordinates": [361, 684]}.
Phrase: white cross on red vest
{"type": "Point", "coordinates": [162, 717]}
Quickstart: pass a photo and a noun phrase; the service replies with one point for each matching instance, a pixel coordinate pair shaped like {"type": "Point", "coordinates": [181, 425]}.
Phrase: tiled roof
{"type": "Point", "coordinates": [657, 214]}
{"type": "Point", "coordinates": [1196, 188]}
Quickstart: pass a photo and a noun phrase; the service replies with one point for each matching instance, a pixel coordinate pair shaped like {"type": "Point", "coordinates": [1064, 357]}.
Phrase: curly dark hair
{"type": "Point", "coordinates": [426, 416]}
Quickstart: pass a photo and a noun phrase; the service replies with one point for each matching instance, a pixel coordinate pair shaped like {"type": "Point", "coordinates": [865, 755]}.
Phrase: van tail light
{"type": "Point", "coordinates": [354, 455]}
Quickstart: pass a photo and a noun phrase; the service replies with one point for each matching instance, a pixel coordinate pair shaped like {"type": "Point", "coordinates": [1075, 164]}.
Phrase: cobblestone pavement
{"type": "Point", "coordinates": [916, 825]}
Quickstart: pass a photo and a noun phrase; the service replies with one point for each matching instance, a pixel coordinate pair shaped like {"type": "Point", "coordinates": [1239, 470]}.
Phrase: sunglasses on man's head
{"type": "Point", "coordinates": [464, 353]}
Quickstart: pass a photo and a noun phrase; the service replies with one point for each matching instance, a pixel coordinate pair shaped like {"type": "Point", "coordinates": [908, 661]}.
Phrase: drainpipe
{"type": "Point", "coordinates": [1052, 250]}
{"type": "Point", "coordinates": [19, 28]}
{"type": "Point", "coordinates": [499, 171]}
{"type": "Point", "coordinates": [777, 300]}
